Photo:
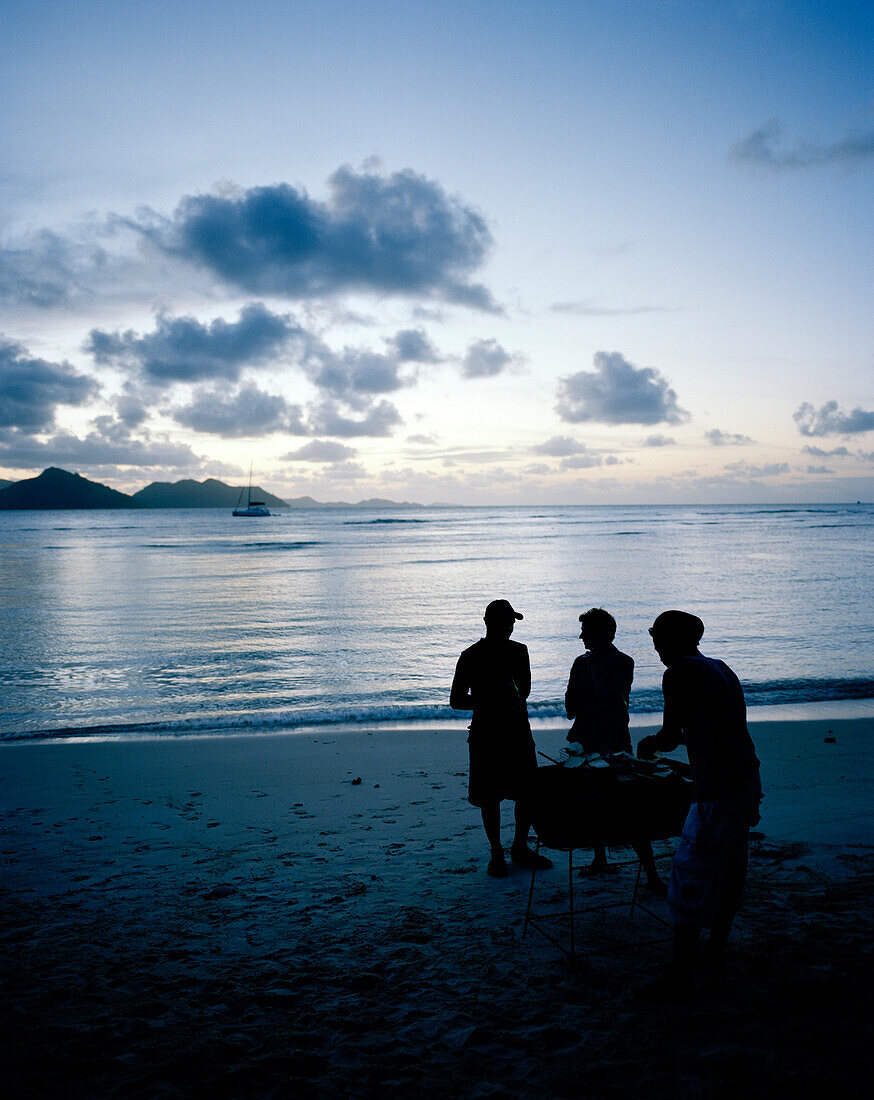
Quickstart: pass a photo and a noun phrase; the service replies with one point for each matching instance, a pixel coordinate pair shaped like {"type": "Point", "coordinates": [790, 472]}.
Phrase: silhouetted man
{"type": "Point", "coordinates": [493, 680]}
{"type": "Point", "coordinates": [597, 700]}
{"type": "Point", "coordinates": [706, 711]}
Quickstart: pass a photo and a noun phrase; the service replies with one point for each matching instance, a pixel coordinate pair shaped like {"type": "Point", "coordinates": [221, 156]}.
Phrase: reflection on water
{"type": "Point", "coordinates": [169, 617]}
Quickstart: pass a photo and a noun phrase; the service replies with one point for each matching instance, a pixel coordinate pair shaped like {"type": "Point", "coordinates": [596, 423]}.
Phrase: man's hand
{"type": "Point", "coordinates": [647, 748]}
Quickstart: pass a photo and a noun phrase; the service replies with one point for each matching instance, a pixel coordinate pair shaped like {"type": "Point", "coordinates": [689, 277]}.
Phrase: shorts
{"type": "Point", "coordinates": [501, 765]}
{"type": "Point", "coordinates": [707, 877]}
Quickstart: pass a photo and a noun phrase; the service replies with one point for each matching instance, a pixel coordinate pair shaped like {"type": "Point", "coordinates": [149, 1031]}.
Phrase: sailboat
{"type": "Point", "coordinates": [253, 507]}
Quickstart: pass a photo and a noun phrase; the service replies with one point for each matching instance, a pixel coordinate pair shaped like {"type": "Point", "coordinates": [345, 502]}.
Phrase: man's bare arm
{"type": "Point", "coordinates": [460, 697]}
{"type": "Point", "coordinates": [667, 738]}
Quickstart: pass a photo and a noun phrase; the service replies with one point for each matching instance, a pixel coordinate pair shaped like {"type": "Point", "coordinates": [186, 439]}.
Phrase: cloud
{"type": "Point", "coordinates": [398, 234]}
{"type": "Point", "coordinates": [422, 440]}
{"type": "Point", "coordinates": [485, 358]}
{"type": "Point", "coordinates": [413, 346]}
{"type": "Point", "coordinates": [718, 438]}
{"type": "Point", "coordinates": [185, 350]}
{"type": "Point", "coordinates": [47, 271]}
{"type": "Point", "coordinates": [182, 349]}
{"type": "Point", "coordinates": [744, 469]}
{"type": "Point", "coordinates": [31, 389]}
{"type": "Point", "coordinates": [345, 471]}
{"type": "Point", "coordinates": [617, 392]}
{"type": "Point", "coordinates": [320, 450]}
{"type": "Point", "coordinates": [559, 446]}
{"type": "Point", "coordinates": [818, 452]}
{"type": "Point", "coordinates": [819, 470]}
{"type": "Point", "coordinates": [98, 448]}
{"type": "Point", "coordinates": [659, 441]}
{"type": "Point", "coordinates": [830, 420]}
{"type": "Point", "coordinates": [354, 375]}
{"type": "Point", "coordinates": [328, 419]}
{"type": "Point", "coordinates": [761, 147]}
{"type": "Point", "coordinates": [582, 462]}
{"type": "Point", "coordinates": [248, 413]}
{"type": "Point", "coordinates": [589, 308]}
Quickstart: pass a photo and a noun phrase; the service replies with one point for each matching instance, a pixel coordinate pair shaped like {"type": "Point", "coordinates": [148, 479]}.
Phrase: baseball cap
{"type": "Point", "coordinates": [498, 609]}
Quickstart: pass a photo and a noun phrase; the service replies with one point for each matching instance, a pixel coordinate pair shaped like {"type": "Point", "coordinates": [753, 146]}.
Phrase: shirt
{"type": "Point", "coordinates": [493, 679]}
{"type": "Point", "coordinates": [705, 710]}
{"type": "Point", "coordinates": [597, 699]}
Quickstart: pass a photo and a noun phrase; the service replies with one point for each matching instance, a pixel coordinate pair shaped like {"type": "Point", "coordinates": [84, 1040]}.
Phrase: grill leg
{"type": "Point", "coordinates": [570, 887]}
{"type": "Point", "coordinates": [530, 895]}
{"type": "Point", "coordinates": [636, 887]}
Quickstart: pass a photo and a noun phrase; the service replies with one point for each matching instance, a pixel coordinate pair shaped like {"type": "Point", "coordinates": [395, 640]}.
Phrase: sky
{"type": "Point", "coordinates": [583, 252]}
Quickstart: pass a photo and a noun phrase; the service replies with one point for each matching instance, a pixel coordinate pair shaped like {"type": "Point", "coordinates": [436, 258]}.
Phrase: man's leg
{"type": "Point", "coordinates": [643, 851]}
{"type": "Point", "coordinates": [730, 898]}
{"type": "Point", "coordinates": [520, 852]}
{"type": "Point", "coordinates": [491, 815]}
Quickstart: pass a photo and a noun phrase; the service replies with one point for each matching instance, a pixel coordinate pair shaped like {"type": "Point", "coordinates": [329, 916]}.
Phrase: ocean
{"type": "Point", "coordinates": [177, 622]}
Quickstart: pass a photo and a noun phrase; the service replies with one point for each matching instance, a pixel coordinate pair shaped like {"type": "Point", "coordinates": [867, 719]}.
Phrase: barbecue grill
{"type": "Point", "coordinates": [606, 802]}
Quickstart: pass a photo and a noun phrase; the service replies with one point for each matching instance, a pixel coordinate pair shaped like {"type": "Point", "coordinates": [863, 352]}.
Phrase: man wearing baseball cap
{"type": "Point", "coordinates": [706, 711]}
{"type": "Point", "coordinates": [493, 680]}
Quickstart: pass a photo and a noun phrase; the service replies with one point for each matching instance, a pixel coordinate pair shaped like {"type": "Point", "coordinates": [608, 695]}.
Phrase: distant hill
{"type": "Point", "coordinates": [199, 494]}
{"type": "Point", "coordinates": [55, 488]}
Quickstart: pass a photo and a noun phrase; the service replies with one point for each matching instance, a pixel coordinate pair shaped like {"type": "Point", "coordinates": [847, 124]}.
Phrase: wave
{"type": "Point", "coordinates": [381, 519]}
{"type": "Point", "coordinates": [228, 544]}
{"type": "Point", "coordinates": [643, 701]}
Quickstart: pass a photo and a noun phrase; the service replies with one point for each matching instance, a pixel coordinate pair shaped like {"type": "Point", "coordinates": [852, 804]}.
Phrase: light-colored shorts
{"type": "Point", "coordinates": [707, 878]}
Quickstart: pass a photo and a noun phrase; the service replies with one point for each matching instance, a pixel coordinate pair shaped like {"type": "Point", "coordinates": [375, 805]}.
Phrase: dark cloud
{"type": "Point", "coordinates": [248, 413]}
{"type": "Point", "coordinates": [659, 440]}
{"type": "Point", "coordinates": [31, 389]}
{"type": "Point", "coordinates": [399, 234]}
{"type": "Point", "coordinates": [830, 420]}
{"type": "Point", "coordinates": [761, 147]}
{"type": "Point", "coordinates": [101, 447]}
{"type": "Point", "coordinates": [744, 469]}
{"type": "Point", "coordinates": [413, 346]}
{"type": "Point", "coordinates": [559, 446]}
{"type": "Point", "coordinates": [328, 419]}
{"type": "Point", "coordinates": [46, 272]}
{"type": "Point", "coordinates": [131, 409]}
{"type": "Point", "coordinates": [354, 375]}
{"type": "Point", "coordinates": [485, 358]}
{"type": "Point", "coordinates": [818, 452]}
{"type": "Point", "coordinates": [581, 462]}
{"type": "Point", "coordinates": [718, 438]}
{"type": "Point", "coordinates": [182, 349]}
{"type": "Point", "coordinates": [321, 450]}
{"type": "Point", "coordinates": [617, 392]}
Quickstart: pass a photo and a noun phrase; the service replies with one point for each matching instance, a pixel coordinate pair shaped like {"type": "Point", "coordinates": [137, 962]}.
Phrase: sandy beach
{"type": "Point", "coordinates": [308, 914]}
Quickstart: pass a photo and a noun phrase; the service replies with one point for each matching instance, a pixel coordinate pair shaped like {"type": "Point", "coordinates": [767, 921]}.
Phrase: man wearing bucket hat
{"type": "Point", "coordinates": [706, 711]}
{"type": "Point", "coordinates": [493, 680]}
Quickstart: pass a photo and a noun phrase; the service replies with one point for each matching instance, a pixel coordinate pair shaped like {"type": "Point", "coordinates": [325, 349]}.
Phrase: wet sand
{"type": "Point", "coordinates": [238, 917]}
